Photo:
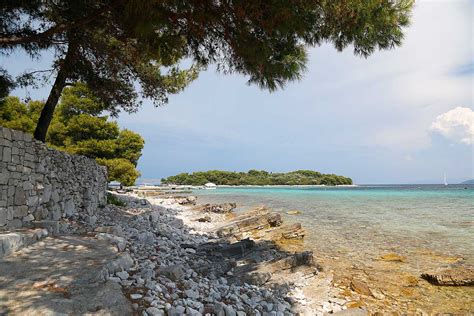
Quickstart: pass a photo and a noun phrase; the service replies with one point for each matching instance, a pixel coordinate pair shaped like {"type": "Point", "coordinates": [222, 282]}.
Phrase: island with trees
{"type": "Point", "coordinates": [257, 177]}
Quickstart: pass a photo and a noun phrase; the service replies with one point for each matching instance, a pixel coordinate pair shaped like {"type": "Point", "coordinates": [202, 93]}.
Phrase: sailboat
{"type": "Point", "coordinates": [445, 182]}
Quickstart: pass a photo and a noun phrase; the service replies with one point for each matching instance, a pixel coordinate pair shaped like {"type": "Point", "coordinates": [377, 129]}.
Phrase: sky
{"type": "Point", "coordinates": [400, 116]}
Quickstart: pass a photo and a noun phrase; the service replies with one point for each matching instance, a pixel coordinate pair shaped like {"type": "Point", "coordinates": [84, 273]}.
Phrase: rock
{"type": "Point", "coordinates": [135, 296]}
{"type": "Point", "coordinates": [174, 272]}
{"type": "Point", "coordinates": [177, 223]}
{"type": "Point", "coordinates": [456, 276]}
{"type": "Point", "coordinates": [192, 294]}
{"type": "Point", "coordinates": [352, 312]}
{"type": "Point", "coordinates": [204, 219]}
{"type": "Point", "coordinates": [177, 311]}
{"type": "Point", "coordinates": [377, 294]}
{"type": "Point", "coordinates": [294, 212]}
{"type": "Point", "coordinates": [305, 258]}
{"type": "Point", "coordinates": [123, 275]}
{"type": "Point", "coordinates": [123, 262]}
{"type": "Point", "coordinates": [392, 257]}
{"type": "Point", "coordinates": [218, 208]}
{"type": "Point", "coordinates": [28, 218]}
{"type": "Point", "coordinates": [229, 311]}
{"type": "Point", "coordinates": [153, 311]}
{"type": "Point", "coordinates": [146, 237]}
{"type": "Point", "coordinates": [113, 230]}
{"type": "Point", "coordinates": [91, 220]}
{"type": "Point", "coordinates": [186, 200]}
{"type": "Point", "coordinates": [257, 219]}
{"type": "Point", "coordinates": [256, 278]}
{"type": "Point", "coordinates": [119, 242]}
{"type": "Point", "coordinates": [360, 287]}
{"type": "Point", "coordinates": [294, 231]}
{"type": "Point", "coordinates": [239, 248]}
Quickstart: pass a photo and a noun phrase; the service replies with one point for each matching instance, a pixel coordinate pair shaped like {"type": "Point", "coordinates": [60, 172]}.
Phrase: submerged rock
{"type": "Point", "coordinates": [294, 212]}
{"type": "Point", "coordinates": [453, 276]}
{"type": "Point", "coordinates": [392, 257]}
{"type": "Point", "coordinates": [360, 287]}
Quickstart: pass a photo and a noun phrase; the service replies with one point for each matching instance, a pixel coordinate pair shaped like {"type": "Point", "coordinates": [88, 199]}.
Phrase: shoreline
{"type": "Point", "coordinates": [166, 254]}
{"type": "Point", "coordinates": [387, 276]}
{"type": "Point", "coordinates": [281, 292]}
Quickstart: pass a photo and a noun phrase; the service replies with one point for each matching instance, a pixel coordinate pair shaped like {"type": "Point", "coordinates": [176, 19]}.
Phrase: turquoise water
{"type": "Point", "coordinates": [351, 230]}
{"type": "Point", "coordinates": [374, 218]}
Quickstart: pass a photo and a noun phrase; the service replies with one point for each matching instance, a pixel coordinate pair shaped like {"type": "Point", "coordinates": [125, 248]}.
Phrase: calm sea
{"type": "Point", "coordinates": [349, 228]}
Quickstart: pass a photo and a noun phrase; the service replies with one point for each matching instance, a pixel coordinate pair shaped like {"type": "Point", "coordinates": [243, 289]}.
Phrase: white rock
{"type": "Point", "coordinates": [135, 296]}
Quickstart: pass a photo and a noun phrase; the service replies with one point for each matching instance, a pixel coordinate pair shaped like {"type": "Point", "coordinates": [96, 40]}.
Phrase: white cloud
{"type": "Point", "coordinates": [456, 125]}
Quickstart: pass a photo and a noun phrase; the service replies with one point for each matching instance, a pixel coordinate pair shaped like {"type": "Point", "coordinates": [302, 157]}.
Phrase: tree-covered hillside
{"type": "Point", "coordinates": [257, 177]}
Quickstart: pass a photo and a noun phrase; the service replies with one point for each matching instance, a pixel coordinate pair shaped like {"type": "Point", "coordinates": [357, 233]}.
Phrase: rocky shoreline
{"type": "Point", "coordinates": [224, 265]}
{"type": "Point", "coordinates": [164, 254]}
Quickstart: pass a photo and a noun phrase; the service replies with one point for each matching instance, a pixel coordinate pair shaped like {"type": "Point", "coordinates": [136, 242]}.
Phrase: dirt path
{"type": "Point", "coordinates": [60, 276]}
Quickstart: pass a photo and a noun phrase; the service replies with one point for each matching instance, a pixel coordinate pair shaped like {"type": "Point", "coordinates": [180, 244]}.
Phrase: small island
{"type": "Point", "coordinates": [257, 177]}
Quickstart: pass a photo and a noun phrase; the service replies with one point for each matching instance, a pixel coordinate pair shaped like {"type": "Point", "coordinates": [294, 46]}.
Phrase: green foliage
{"type": "Point", "coordinates": [257, 177]}
{"type": "Point", "coordinates": [116, 46]}
{"type": "Point", "coordinates": [120, 169]}
{"type": "Point", "coordinates": [114, 200]}
{"type": "Point", "coordinates": [79, 128]}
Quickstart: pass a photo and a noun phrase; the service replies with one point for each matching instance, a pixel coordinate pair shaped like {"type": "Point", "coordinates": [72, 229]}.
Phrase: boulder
{"type": "Point", "coordinates": [174, 272]}
{"type": "Point", "coordinates": [257, 219]}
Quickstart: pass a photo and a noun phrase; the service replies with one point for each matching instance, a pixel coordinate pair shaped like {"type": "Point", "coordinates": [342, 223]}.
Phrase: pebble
{"type": "Point", "coordinates": [135, 296]}
{"type": "Point", "coordinates": [123, 275]}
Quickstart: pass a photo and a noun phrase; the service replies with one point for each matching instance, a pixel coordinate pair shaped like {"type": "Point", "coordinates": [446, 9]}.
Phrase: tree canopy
{"type": "Point", "coordinates": [257, 177]}
{"type": "Point", "coordinates": [79, 127]}
{"type": "Point", "coordinates": [117, 46]}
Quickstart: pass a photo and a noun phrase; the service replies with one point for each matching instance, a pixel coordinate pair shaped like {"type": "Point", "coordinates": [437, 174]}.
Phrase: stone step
{"type": "Point", "coordinates": [14, 241]}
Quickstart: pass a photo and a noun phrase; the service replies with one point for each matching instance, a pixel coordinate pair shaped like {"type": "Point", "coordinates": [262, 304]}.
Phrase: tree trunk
{"type": "Point", "coordinates": [54, 95]}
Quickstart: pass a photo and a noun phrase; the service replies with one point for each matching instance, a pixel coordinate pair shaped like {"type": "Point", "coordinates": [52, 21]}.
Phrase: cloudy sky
{"type": "Point", "coordinates": [400, 116]}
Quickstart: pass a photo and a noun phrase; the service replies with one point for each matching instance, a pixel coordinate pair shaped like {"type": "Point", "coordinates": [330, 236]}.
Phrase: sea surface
{"type": "Point", "coordinates": [351, 228]}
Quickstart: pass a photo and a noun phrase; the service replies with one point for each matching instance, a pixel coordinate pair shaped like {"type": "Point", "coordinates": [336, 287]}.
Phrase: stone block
{"type": "Point", "coordinates": [69, 208]}
{"type": "Point", "coordinates": [16, 160]}
{"type": "Point", "coordinates": [27, 137]}
{"type": "Point", "coordinates": [7, 154]}
{"type": "Point", "coordinates": [20, 211]}
{"type": "Point", "coordinates": [27, 186]}
{"type": "Point", "coordinates": [10, 243]}
{"type": "Point", "coordinates": [47, 193]}
{"type": "Point", "coordinates": [51, 226]}
{"type": "Point", "coordinates": [20, 196]}
{"type": "Point", "coordinates": [4, 176]}
{"type": "Point", "coordinates": [3, 216]}
{"type": "Point", "coordinates": [7, 134]}
{"type": "Point", "coordinates": [15, 223]}
{"type": "Point", "coordinates": [17, 135]}
{"type": "Point", "coordinates": [33, 200]}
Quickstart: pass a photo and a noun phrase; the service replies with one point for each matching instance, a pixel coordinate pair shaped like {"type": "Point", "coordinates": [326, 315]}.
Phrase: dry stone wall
{"type": "Point", "coordinates": [40, 186]}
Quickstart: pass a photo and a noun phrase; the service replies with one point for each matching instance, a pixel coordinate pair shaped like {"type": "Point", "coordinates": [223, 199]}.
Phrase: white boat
{"type": "Point", "coordinates": [445, 182]}
{"type": "Point", "coordinates": [210, 185]}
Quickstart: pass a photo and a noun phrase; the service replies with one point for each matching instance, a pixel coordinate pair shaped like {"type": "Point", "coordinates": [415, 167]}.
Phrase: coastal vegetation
{"type": "Point", "coordinates": [257, 177]}
{"type": "Point", "coordinates": [126, 51]}
{"type": "Point", "coordinates": [80, 127]}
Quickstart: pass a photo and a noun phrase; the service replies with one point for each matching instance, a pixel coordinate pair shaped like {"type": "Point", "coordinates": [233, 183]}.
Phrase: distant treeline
{"type": "Point", "coordinates": [257, 177]}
